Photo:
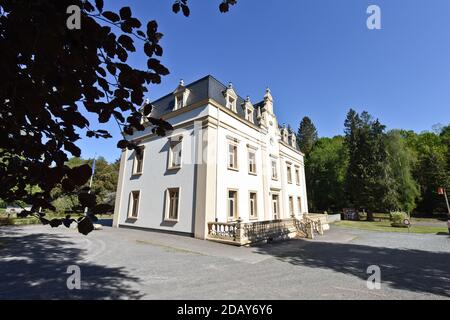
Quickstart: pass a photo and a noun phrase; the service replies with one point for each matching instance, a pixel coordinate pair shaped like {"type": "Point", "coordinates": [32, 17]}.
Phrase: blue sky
{"type": "Point", "coordinates": [317, 56]}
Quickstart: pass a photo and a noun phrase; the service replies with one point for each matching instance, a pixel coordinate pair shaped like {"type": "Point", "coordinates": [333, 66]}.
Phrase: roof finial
{"type": "Point", "coordinates": [248, 99]}
{"type": "Point", "coordinates": [181, 82]}
{"type": "Point", "coordinates": [230, 85]}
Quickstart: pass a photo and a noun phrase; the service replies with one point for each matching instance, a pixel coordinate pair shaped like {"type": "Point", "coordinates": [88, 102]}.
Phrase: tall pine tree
{"type": "Point", "coordinates": [307, 135]}
{"type": "Point", "coordinates": [367, 180]}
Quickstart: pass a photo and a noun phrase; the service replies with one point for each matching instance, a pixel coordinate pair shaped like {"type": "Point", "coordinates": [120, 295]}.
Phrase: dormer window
{"type": "Point", "coordinates": [249, 115]}
{"type": "Point", "coordinates": [179, 102]}
{"type": "Point", "coordinates": [181, 94]}
{"type": "Point", "coordinates": [230, 98]}
{"type": "Point", "coordinates": [284, 135]}
{"type": "Point", "coordinates": [293, 140]}
{"type": "Point", "coordinates": [231, 103]}
{"type": "Point", "coordinates": [248, 110]}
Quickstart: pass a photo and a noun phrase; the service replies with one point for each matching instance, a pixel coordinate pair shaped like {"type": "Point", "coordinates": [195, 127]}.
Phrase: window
{"type": "Point", "coordinates": [253, 205]}
{"type": "Point", "coordinates": [232, 156]}
{"type": "Point", "coordinates": [291, 205]}
{"type": "Point", "coordinates": [172, 202]}
{"type": "Point", "coordinates": [249, 115]}
{"type": "Point", "coordinates": [275, 206]}
{"type": "Point", "coordinates": [179, 103]}
{"type": "Point", "coordinates": [297, 175]}
{"type": "Point", "coordinates": [289, 173]}
{"type": "Point", "coordinates": [138, 163]}
{"type": "Point", "coordinates": [274, 170]}
{"type": "Point", "coordinates": [232, 204]}
{"type": "Point", "coordinates": [231, 103]}
{"type": "Point", "coordinates": [133, 206]}
{"type": "Point", "coordinates": [299, 205]}
{"type": "Point", "coordinates": [181, 95]}
{"type": "Point", "coordinates": [175, 154]}
{"type": "Point", "coordinates": [251, 162]}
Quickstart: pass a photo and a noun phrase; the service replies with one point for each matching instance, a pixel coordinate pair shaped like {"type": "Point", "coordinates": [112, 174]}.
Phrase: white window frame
{"type": "Point", "coordinates": [291, 206]}
{"type": "Point", "coordinates": [179, 101]}
{"type": "Point", "coordinates": [181, 96]}
{"type": "Point", "coordinates": [299, 204]}
{"type": "Point", "coordinates": [289, 172]}
{"type": "Point", "coordinates": [255, 205]}
{"type": "Point", "coordinates": [131, 204]}
{"type": "Point", "coordinates": [136, 162]}
{"type": "Point", "coordinates": [231, 104]}
{"type": "Point", "coordinates": [274, 169]}
{"type": "Point", "coordinates": [230, 94]}
{"type": "Point", "coordinates": [169, 205]}
{"type": "Point", "coordinates": [252, 154]}
{"type": "Point", "coordinates": [173, 142]}
{"type": "Point", "coordinates": [249, 114]}
{"type": "Point", "coordinates": [235, 205]}
{"type": "Point", "coordinates": [235, 163]}
{"type": "Point", "coordinates": [297, 175]}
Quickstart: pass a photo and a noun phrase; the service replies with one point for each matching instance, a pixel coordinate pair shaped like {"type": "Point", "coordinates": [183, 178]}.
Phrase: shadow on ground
{"type": "Point", "coordinates": [412, 270]}
{"type": "Point", "coordinates": [105, 222]}
{"type": "Point", "coordinates": [34, 266]}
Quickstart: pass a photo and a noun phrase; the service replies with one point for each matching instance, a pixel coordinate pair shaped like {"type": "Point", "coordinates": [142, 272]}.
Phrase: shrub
{"type": "Point", "coordinates": [398, 217]}
{"type": "Point", "coordinates": [6, 221]}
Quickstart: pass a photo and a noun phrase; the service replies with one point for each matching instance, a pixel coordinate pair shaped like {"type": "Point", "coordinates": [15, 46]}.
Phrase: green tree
{"type": "Point", "coordinates": [445, 138]}
{"type": "Point", "coordinates": [325, 169]}
{"type": "Point", "coordinates": [367, 182]}
{"type": "Point", "coordinates": [104, 184]}
{"type": "Point", "coordinates": [105, 179]}
{"type": "Point", "coordinates": [404, 190]}
{"type": "Point", "coordinates": [431, 171]}
{"type": "Point", "coordinates": [307, 135]}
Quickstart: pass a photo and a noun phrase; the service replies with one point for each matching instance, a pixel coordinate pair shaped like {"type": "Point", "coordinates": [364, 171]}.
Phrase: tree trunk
{"type": "Point", "coordinates": [370, 216]}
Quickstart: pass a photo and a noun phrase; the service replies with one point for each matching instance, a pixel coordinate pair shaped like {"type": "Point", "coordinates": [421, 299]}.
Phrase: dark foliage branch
{"type": "Point", "coordinates": [182, 6]}
{"type": "Point", "coordinates": [48, 71]}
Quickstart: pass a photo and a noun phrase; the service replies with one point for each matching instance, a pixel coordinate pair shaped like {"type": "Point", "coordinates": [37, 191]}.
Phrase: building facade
{"type": "Point", "coordinates": [227, 159]}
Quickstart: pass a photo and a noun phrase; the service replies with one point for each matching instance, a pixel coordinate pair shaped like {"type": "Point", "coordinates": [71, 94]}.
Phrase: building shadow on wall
{"type": "Point", "coordinates": [405, 269]}
{"type": "Point", "coordinates": [35, 266]}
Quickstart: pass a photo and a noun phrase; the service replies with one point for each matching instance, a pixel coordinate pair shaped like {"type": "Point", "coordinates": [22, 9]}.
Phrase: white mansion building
{"type": "Point", "coordinates": [227, 162]}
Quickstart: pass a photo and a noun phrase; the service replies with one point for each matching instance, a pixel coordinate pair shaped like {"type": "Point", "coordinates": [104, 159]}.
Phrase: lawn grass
{"type": "Point", "coordinates": [385, 226]}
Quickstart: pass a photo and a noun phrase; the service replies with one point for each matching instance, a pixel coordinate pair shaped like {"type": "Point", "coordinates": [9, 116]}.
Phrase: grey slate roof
{"type": "Point", "coordinates": [204, 88]}
{"type": "Point", "coordinates": [201, 89]}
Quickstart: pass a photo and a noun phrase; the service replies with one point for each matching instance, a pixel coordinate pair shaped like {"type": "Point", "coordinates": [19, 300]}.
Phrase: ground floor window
{"type": "Point", "coordinates": [291, 205]}
{"type": "Point", "coordinates": [299, 205]}
{"type": "Point", "coordinates": [253, 205]}
{"type": "Point", "coordinates": [232, 204]}
{"type": "Point", "coordinates": [173, 204]}
{"type": "Point", "coordinates": [133, 207]}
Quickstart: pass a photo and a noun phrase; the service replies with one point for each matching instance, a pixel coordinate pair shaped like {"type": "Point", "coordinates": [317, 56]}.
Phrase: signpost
{"type": "Point", "coordinates": [407, 223]}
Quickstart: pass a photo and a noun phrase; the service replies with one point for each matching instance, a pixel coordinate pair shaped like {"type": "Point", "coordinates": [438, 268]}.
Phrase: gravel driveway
{"type": "Point", "coordinates": [132, 264]}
